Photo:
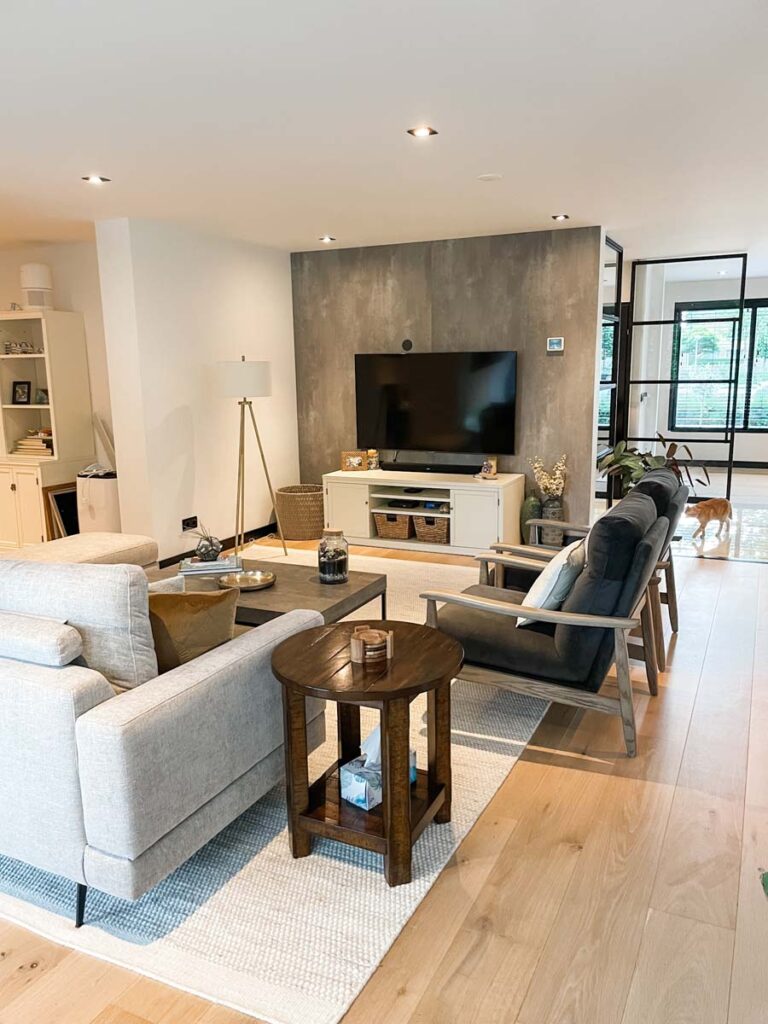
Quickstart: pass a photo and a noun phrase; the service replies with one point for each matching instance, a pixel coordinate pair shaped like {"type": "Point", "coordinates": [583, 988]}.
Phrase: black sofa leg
{"type": "Point", "coordinates": [82, 891]}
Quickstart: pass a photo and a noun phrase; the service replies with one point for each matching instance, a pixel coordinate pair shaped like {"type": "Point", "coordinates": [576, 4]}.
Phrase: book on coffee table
{"type": "Point", "coordinates": [220, 567]}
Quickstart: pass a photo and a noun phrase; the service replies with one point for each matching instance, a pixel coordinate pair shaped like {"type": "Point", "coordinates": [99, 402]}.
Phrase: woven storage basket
{"type": "Point", "coordinates": [393, 527]}
{"type": "Point", "coordinates": [432, 529]}
{"type": "Point", "coordinates": [300, 508]}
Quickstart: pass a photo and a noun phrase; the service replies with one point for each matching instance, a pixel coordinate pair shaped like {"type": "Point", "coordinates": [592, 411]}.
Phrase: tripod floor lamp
{"type": "Point", "coordinates": [245, 380]}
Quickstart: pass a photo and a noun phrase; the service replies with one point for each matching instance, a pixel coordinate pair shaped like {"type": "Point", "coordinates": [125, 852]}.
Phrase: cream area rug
{"type": "Point", "coordinates": [291, 941]}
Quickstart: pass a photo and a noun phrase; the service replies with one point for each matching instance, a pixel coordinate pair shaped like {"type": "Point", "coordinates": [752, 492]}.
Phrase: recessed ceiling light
{"type": "Point", "coordinates": [560, 216]}
{"type": "Point", "coordinates": [722, 273]}
{"type": "Point", "coordinates": [95, 179]}
{"type": "Point", "coordinates": [423, 131]}
{"type": "Point", "coordinates": [489, 177]}
{"type": "Point", "coordinates": [327, 239]}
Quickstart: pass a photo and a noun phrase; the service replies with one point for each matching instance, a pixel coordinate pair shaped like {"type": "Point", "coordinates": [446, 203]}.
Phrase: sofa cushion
{"type": "Point", "coordinates": [556, 579]}
{"type": "Point", "coordinates": [492, 640]}
{"type": "Point", "coordinates": [96, 548]}
{"type": "Point", "coordinates": [41, 641]}
{"type": "Point", "coordinates": [184, 626]}
{"type": "Point", "coordinates": [106, 604]}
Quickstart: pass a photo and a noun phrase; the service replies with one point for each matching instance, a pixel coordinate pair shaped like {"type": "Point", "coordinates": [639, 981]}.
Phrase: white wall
{"type": "Point", "coordinates": [75, 288]}
{"type": "Point", "coordinates": [176, 301]}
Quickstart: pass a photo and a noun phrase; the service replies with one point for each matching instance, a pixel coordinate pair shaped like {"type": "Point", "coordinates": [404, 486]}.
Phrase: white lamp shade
{"type": "Point", "coordinates": [241, 379]}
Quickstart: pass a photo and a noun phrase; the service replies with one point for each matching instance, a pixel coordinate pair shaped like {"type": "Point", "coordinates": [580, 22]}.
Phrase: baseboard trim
{"type": "Point", "coordinates": [228, 542]}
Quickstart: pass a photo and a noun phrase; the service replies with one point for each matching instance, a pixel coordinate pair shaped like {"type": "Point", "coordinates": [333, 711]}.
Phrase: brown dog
{"type": "Point", "coordinates": [705, 511]}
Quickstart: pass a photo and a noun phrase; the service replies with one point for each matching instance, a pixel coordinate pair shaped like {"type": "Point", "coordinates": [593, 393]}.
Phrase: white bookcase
{"type": "Point", "coordinates": [481, 512]}
{"type": "Point", "coordinates": [58, 365]}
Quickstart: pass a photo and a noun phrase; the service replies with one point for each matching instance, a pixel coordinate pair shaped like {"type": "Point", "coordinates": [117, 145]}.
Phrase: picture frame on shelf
{"type": "Point", "coordinates": [21, 392]}
{"type": "Point", "coordinates": [354, 461]}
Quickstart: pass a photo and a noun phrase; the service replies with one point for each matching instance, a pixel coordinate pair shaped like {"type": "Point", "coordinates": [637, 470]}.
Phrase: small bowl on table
{"type": "Point", "coordinates": [247, 579]}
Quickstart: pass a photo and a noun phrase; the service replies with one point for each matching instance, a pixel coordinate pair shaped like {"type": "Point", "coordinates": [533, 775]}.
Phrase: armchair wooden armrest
{"type": "Point", "coordinates": [574, 529]}
{"type": "Point", "coordinates": [521, 611]}
{"type": "Point", "coordinates": [538, 551]}
{"type": "Point", "coordinates": [513, 561]}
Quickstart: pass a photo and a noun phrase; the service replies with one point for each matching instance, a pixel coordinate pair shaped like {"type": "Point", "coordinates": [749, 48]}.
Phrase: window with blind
{"type": "Point", "coordinates": [703, 354]}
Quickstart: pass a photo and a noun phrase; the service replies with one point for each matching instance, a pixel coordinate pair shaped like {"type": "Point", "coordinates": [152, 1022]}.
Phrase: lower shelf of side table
{"type": "Point", "coordinates": [330, 816]}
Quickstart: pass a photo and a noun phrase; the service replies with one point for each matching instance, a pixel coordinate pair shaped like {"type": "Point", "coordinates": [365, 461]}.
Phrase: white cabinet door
{"type": "Point", "coordinates": [9, 526]}
{"type": "Point", "coordinates": [29, 505]}
{"type": "Point", "coordinates": [475, 518]}
{"type": "Point", "coordinates": [346, 509]}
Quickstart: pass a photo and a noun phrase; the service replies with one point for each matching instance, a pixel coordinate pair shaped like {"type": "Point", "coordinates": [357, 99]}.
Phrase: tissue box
{"type": "Point", "coordinates": [361, 786]}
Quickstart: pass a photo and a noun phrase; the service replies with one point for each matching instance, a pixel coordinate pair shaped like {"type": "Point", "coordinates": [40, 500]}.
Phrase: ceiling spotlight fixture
{"type": "Point", "coordinates": [95, 179]}
{"type": "Point", "coordinates": [423, 131]}
{"type": "Point", "coordinates": [327, 239]}
{"type": "Point", "coordinates": [722, 273]}
{"type": "Point", "coordinates": [489, 177]}
{"type": "Point", "coordinates": [560, 216]}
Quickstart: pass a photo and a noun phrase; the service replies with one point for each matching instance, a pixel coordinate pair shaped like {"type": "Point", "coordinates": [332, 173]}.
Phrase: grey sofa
{"type": "Point", "coordinates": [116, 791]}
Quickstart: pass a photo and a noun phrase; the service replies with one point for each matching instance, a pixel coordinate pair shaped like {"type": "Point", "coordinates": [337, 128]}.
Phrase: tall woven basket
{"type": "Point", "coordinates": [300, 508]}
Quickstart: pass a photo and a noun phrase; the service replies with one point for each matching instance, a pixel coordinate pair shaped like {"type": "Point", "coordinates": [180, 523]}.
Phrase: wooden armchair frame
{"type": "Point", "coordinates": [647, 652]}
{"type": "Point", "coordinates": [656, 597]}
{"type": "Point", "coordinates": [623, 706]}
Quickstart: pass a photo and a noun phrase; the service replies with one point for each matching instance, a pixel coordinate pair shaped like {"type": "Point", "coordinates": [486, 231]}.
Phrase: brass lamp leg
{"type": "Point", "coordinates": [266, 474]}
{"type": "Point", "coordinates": [240, 501]}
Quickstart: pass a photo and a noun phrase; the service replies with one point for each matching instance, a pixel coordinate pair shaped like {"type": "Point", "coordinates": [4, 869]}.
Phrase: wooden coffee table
{"type": "Point", "coordinates": [316, 663]}
{"type": "Point", "coordinates": [297, 586]}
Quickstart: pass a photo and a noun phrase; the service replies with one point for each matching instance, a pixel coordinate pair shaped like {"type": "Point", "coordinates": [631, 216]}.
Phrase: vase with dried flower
{"type": "Point", "coordinates": [551, 485]}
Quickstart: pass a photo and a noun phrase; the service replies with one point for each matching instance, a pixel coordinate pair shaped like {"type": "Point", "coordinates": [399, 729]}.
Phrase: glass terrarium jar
{"type": "Point", "coordinates": [333, 557]}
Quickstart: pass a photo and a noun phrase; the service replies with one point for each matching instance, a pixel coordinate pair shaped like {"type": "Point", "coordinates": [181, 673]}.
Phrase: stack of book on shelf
{"type": "Point", "coordinates": [37, 444]}
{"type": "Point", "coordinates": [222, 566]}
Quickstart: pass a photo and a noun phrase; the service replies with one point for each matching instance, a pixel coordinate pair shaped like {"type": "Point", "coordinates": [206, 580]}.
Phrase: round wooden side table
{"type": "Point", "coordinates": [317, 663]}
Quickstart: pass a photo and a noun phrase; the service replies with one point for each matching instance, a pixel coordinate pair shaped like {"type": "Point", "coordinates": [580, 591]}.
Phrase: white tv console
{"type": "Point", "coordinates": [481, 512]}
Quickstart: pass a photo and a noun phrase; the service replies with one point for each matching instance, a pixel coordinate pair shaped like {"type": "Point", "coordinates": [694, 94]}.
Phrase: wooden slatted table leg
{"type": "Point", "coordinates": [439, 740]}
{"type": "Point", "coordinates": [348, 719]}
{"type": "Point", "coordinates": [396, 783]}
{"type": "Point", "coordinates": [296, 770]}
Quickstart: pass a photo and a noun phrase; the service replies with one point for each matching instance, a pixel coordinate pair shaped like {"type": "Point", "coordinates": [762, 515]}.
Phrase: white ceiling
{"type": "Point", "coordinates": [277, 122]}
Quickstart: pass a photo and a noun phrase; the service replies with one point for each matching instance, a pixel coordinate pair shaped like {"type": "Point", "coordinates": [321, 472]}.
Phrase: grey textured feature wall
{"type": "Point", "coordinates": [496, 292]}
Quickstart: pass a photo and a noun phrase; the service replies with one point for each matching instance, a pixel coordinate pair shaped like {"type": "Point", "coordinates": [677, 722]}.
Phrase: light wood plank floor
{"type": "Point", "coordinates": [593, 890]}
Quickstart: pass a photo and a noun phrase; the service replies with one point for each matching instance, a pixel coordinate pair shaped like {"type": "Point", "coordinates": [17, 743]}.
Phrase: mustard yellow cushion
{"type": "Point", "coordinates": [184, 626]}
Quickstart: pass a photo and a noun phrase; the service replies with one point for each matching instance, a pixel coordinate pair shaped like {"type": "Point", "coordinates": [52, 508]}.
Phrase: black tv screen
{"type": "Point", "coordinates": [437, 401]}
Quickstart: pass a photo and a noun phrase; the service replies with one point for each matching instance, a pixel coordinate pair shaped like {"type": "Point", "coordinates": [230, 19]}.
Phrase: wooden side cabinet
{"type": "Point", "coordinates": [21, 506]}
{"type": "Point", "coordinates": [480, 512]}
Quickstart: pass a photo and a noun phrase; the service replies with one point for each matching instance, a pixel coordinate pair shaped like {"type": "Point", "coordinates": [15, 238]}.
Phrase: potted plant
{"type": "Point", "coordinates": [551, 485]}
{"type": "Point", "coordinates": [209, 547]}
{"type": "Point", "coordinates": [630, 464]}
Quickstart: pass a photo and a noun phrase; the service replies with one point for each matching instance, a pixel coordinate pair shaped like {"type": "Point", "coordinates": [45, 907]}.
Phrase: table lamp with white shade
{"type": "Point", "coordinates": [246, 379]}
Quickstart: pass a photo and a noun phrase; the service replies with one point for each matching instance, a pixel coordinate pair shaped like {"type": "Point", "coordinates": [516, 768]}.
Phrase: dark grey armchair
{"type": "Point", "coordinates": [564, 655]}
{"type": "Point", "coordinates": [670, 497]}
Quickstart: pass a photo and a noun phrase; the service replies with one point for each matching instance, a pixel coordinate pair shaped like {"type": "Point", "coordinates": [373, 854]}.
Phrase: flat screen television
{"type": "Point", "coordinates": [459, 402]}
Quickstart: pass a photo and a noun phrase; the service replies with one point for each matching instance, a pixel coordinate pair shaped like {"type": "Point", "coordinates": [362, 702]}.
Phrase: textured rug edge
{"type": "Point", "coordinates": [27, 916]}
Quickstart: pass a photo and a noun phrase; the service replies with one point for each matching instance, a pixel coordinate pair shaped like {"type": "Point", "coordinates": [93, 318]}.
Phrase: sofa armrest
{"type": "Point", "coordinates": [42, 813]}
{"type": "Point", "coordinates": [155, 754]}
{"type": "Point", "coordinates": [520, 611]}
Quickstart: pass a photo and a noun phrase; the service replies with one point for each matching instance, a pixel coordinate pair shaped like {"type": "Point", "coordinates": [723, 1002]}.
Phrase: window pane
{"type": "Point", "coordinates": [606, 352]}
{"type": "Point", "coordinates": [701, 405]}
{"type": "Point", "coordinates": [706, 339]}
{"type": "Point", "coordinates": [604, 408]}
{"type": "Point", "coordinates": [758, 409]}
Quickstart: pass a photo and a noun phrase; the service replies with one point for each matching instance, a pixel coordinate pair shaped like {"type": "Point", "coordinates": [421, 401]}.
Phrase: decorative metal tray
{"type": "Point", "coordinates": [249, 579]}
